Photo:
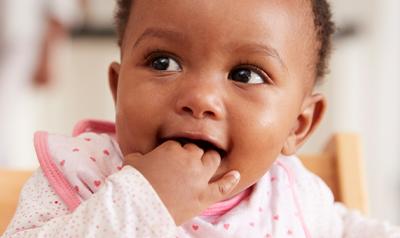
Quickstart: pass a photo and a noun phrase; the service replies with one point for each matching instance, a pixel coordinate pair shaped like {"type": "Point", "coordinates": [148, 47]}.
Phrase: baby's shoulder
{"type": "Point", "coordinates": [92, 144]}
{"type": "Point", "coordinates": [77, 165]}
{"type": "Point", "coordinates": [305, 182]}
{"type": "Point", "coordinates": [313, 196]}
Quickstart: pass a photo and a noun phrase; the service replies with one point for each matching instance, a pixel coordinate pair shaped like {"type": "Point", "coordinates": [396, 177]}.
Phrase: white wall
{"type": "Point", "coordinates": [78, 91]}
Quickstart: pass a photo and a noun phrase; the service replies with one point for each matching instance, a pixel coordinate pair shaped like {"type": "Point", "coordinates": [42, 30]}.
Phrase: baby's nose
{"type": "Point", "coordinates": [200, 100]}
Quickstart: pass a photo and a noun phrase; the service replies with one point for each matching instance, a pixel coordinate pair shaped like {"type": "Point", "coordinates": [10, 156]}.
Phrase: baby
{"type": "Point", "coordinates": [213, 99]}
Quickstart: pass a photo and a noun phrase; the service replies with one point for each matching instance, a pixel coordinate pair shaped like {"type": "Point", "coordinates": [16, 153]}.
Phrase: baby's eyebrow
{"type": "Point", "coordinates": [264, 49]}
{"type": "Point", "coordinates": [162, 33]}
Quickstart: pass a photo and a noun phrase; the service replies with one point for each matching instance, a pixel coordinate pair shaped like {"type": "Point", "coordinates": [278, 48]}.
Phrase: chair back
{"type": "Point", "coordinates": [341, 166]}
{"type": "Point", "coordinates": [11, 182]}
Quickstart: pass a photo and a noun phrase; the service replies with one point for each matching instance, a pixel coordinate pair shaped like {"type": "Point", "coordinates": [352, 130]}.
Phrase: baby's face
{"type": "Point", "coordinates": [234, 74]}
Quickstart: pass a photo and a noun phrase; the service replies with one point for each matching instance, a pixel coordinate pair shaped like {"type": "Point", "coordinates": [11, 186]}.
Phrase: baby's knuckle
{"type": "Point", "coordinates": [171, 145]}
{"type": "Point", "coordinates": [213, 153]}
{"type": "Point", "coordinates": [213, 158]}
{"type": "Point", "coordinates": [189, 146]}
{"type": "Point", "coordinates": [193, 149]}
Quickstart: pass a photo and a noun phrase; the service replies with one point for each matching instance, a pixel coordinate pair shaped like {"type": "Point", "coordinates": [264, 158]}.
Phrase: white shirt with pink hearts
{"type": "Point", "coordinates": [81, 190]}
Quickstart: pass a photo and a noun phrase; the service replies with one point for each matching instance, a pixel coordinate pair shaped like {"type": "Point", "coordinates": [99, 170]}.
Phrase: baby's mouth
{"type": "Point", "coordinates": [203, 144]}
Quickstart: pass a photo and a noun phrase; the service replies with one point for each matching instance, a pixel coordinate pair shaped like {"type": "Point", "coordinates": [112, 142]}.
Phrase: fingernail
{"type": "Point", "coordinates": [236, 175]}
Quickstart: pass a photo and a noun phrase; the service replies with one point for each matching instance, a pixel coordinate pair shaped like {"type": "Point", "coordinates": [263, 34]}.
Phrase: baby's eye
{"type": "Point", "coordinates": [165, 63]}
{"type": "Point", "coordinates": [246, 75]}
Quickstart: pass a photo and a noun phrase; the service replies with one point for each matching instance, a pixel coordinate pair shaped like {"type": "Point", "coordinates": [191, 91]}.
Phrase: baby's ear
{"type": "Point", "coordinates": [113, 76]}
{"type": "Point", "coordinates": [312, 112]}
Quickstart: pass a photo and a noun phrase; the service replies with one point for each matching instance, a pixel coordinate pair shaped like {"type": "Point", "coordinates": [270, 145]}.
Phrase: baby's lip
{"type": "Point", "coordinates": [192, 136]}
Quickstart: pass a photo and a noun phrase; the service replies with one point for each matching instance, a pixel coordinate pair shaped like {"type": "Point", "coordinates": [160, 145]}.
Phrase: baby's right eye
{"type": "Point", "coordinates": [165, 63]}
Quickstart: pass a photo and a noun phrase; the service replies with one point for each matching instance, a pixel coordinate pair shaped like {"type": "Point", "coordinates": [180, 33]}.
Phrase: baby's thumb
{"type": "Point", "coordinates": [224, 185]}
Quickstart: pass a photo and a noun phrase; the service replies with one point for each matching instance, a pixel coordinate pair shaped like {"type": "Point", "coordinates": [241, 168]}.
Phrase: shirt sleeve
{"type": "Point", "coordinates": [356, 225]}
{"type": "Point", "coordinates": [125, 206]}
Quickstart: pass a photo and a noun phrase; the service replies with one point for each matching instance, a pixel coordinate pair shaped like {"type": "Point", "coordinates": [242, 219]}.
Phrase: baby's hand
{"type": "Point", "coordinates": [181, 174]}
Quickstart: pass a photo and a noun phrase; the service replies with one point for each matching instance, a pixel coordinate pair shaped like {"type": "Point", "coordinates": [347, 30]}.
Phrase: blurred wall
{"type": "Point", "coordinates": [363, 96]}
{"type": "Point", "coordinates": [79, 91]}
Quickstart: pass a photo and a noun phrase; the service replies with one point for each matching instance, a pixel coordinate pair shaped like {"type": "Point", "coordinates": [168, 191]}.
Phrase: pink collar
{"type": "Point", "coordinates": [220, 208]}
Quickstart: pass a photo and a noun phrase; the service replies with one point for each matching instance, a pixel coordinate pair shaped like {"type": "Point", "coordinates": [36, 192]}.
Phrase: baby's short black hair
{"type": "Point", "coordinates": [323, 23]}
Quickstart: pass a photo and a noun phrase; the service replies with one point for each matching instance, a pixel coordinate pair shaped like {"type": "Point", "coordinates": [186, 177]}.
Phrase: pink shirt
{"type": "Point", "coordinates": [81, 190]}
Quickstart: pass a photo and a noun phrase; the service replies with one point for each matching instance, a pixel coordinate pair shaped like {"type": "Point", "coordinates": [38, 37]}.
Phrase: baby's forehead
{"type": "Point", "coordinates": [250, 16]}
{"type": "Point", "coordinates": [302, 9]}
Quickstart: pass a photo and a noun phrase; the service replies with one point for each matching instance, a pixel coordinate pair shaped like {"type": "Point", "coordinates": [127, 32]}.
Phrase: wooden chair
{"type": "Point", "coordinates": [11, 182]}
{"type": "Point", "coordinates": [340, 165]}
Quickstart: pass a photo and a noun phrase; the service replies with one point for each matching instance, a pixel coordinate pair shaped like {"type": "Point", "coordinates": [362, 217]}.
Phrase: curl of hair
{"type": "Point", "coordinates": [121, 18]}
{"type": "Point", "coordinates": [325, 28]}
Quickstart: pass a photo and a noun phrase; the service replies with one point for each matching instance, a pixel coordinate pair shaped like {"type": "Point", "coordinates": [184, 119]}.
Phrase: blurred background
{"type": "Point", "coordinates": [54, 57]}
